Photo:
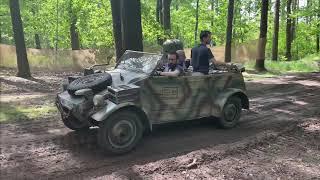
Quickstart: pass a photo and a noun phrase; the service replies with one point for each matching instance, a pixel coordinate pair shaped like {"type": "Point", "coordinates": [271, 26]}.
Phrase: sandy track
{"type": "Point", "coordinates": [46, 149]}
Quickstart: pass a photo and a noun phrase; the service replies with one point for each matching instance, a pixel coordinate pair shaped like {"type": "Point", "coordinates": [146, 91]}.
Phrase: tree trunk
{"type": "Point", "coordinates": [197, 22]}
{"type": "Point", "coordinates": [263, 36]}
{"type": "Point", "coordinates": [229, 32]}
{"type": "Point", "coordinates": [158, 10]}
{"type": "Point", "coordinates": [74, 36]}
{"type": "Point", "coordinates": [131, 25]}
{"type": "Point", "coordinates": [75, 45]}
{"type": "Point", "coordinates": [276, 31]}
{"type": "Point", "coordinates": [318, 33]}
{"type": "Point", "coordinates": [22, 59]}
{"type": "Point", "coordinates": [159, 18]}
{"type": "Point", "coordinates": [294, 20]}
{"type": "Point", "coordinates": [0, 34]}
{"type": "Point", "coordinates": [37, 40]}
{"type": "Point", "coordinates": [117, 33]}
{"type": "Point", "coordinates": [36, 36]}
{"type": "Point", "coordinates": [212, 9]}
{"type": "Point", "coordinates": [166, 16]}
{"type": "Point", "coordinates": [161, 12]}
{"type": "Point", "coordinates": [288, 31]}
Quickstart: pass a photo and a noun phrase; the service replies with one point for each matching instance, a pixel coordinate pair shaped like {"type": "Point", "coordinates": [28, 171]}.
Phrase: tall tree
{"type": "Point", "coordinates": [158, 8]}
{"type": "Point", "coordinates": [37, 41]}
{"type": "Point", "coordinates": [276, 31]}
{"type": "Point", "coordinates": [229, 32]}
{"type": "Point", "coordinates": [294, 19]}
{"type": "Point", "coordinates": [197, 22]}
{"type": "Point", "coordinates": [288, 31]}
{"type": "Point", "coordinates": [131, 25]}
{"type": "Point", "coordinates": [212, 9]}
{"type": "Point", "coordinates": [36, 35]}
{"type": "Point", "coordinates": [263, 36]}
{"type": "Point", "coordinates": [166, 16]}
{"type": "Point", "coordinates": [22, 59]}
{"type": "Point", "coordinates": [117, 33]}
{"type": "Point", "coordinates": [0, 33]}
{"type": "Point", "coordinates": [74, 36]}
{"type": "Point", "coordinates": [159, 18]}
{"type": "Point", "coordinates": [318, 31]}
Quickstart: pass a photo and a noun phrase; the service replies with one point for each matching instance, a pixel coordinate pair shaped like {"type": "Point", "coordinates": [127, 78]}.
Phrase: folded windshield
{"type": "Point", "coordinates": [138, 61]}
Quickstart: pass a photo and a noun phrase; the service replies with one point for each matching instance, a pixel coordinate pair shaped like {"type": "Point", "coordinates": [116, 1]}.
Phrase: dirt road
{"type": "Point", "coordinates": [279, 137]}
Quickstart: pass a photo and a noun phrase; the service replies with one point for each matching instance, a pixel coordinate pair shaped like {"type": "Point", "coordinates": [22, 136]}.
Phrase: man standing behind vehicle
{"type": "Point", "coordinates": [201, 55]}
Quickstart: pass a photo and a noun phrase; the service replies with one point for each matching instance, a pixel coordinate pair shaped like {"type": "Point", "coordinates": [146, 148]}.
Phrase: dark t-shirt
{"type": "Point", "coordinates": [200, 56]}
{"type": "Point", "coordinates": [178, 67]}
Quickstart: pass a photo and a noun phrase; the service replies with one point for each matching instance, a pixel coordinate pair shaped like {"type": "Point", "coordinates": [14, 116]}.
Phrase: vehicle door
{"type": "Point", "coordinates": [168, 99]}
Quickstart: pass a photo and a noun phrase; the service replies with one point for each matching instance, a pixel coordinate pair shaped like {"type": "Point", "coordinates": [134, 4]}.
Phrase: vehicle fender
{"type": "Point", "coordinates": [111, 108]}
{"type": "Point", "coordinates": [222, 98]}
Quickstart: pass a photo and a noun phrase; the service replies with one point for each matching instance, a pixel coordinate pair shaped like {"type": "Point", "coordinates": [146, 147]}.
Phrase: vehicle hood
{"type": "Point", "coordinates": [129, 77]}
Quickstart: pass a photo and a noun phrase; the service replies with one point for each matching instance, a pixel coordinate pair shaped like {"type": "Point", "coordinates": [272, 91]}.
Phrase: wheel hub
{"type": "Point", "coordinates": [122, 134]}
{"type": "Point", "coordinates": [230, 112]}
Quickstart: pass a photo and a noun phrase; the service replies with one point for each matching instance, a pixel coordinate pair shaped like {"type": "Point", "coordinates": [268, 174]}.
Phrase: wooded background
{"type": "Point", "coordinates": [289, 29]}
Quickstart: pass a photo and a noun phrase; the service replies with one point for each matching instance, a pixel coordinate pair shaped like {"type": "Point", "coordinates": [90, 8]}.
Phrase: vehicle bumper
{"type": "Point", "coordinates": [79, 107]}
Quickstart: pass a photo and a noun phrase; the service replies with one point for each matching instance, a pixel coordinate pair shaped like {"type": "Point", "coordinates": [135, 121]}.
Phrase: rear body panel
{"type": "Point", "coordinates": [167, 99]}
{"type": "Point", "coordinates": [170, 99]}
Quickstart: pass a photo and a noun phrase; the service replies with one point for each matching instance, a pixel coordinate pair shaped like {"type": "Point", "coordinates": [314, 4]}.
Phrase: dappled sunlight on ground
{"type": "Point", "coordinates": [277, 138]}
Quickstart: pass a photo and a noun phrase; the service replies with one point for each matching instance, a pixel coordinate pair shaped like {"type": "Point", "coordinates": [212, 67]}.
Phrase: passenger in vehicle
{"type": "Point", "coordinates": [201, 55]}
{"type": "Point", "coordinates": [172, 68]}
{"type": "Point", "coordinates": [183, 61]}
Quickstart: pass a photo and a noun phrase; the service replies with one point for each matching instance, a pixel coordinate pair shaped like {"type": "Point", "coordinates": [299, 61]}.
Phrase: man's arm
{"type": "Point", "coordinates": [213, 59]}
{"type": "Point", "coordinates": [174, 73]}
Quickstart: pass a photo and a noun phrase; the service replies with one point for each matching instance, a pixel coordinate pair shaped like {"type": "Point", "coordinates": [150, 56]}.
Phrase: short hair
{"type": "Point", "coordinates": [181, 53]}
{"type": "Point", "coordinates": [174, 53]}
{"type": "Point", "coordinates": [204, 34]}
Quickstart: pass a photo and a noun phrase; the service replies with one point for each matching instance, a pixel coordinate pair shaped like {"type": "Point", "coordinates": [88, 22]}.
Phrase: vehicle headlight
{"type": "Point", "coordinates": [99, 100]}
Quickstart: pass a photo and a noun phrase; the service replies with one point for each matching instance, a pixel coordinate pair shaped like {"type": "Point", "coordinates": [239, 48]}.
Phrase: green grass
{"type": "Point", "coordinates": [9, 113]}
{"type": "Point", "coordinates": [275, 68]}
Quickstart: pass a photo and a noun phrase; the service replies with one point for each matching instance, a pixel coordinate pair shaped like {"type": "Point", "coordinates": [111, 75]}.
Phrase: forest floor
{"type": "Point", "coordinates": [278, 138]}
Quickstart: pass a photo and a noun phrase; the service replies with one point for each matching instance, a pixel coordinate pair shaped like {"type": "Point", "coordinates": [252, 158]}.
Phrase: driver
{"type": "Point", "coordinates": [172, 69]}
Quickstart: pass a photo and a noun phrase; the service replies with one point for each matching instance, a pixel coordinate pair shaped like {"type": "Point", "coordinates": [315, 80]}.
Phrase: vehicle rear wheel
{"type": "Point", "coordinates": [231, 112]}
{"type": "Point", "coordinates": [121, 132]}
{"type": "Point", "coordinates": [74, 124]}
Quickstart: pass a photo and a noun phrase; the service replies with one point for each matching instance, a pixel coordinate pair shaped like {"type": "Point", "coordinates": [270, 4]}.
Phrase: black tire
{"type": "Point", "coordinates": [231, 113]}
{"type": "Point", "coordinates": [124, 124]}
{"type": "Point", "coordinates": [73, 123]}
{"type": "Point", "coordinates": [96, 82]}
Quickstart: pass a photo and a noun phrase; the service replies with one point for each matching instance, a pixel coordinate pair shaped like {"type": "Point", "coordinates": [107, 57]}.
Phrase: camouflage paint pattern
{"type": "Point", "coordinates": [160, 99]}
{"type": "Point", "coordinates": [169, 99]}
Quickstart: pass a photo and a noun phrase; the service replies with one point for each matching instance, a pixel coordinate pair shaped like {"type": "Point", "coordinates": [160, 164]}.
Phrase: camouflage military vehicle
{"type": "Point", "coordinates": [130, 99]}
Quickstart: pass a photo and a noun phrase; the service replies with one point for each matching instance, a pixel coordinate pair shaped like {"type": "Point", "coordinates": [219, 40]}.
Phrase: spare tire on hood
{"type": "Point", "coordinates": [96, 82]}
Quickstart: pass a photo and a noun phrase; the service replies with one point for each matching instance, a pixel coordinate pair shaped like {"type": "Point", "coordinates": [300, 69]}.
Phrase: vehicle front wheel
{"type": "Point", "coordinates": [231, 112]}
{"type": "Point", "coordinates": [74, 124]}
{"type": "Point", "coordinates": [121, 132]}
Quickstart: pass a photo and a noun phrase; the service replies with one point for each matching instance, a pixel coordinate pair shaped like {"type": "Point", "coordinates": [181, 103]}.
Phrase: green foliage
{"type": "Point", "coordinates": [94, 23]}
{"type": "Point", "coordinates": [10, 113]}
{"type": "Point", "coordinates": [307, 64]}
{"type": "Point", "coordinates": [5, 23]}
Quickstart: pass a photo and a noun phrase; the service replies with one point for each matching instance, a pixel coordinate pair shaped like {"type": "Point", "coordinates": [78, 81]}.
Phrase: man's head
{"type": "Point", "coordinates": [182, 55]}
{"type": "Point", "coordinates": [173, 58]}
{"type": "Point", "coordinates": [205, 37]}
